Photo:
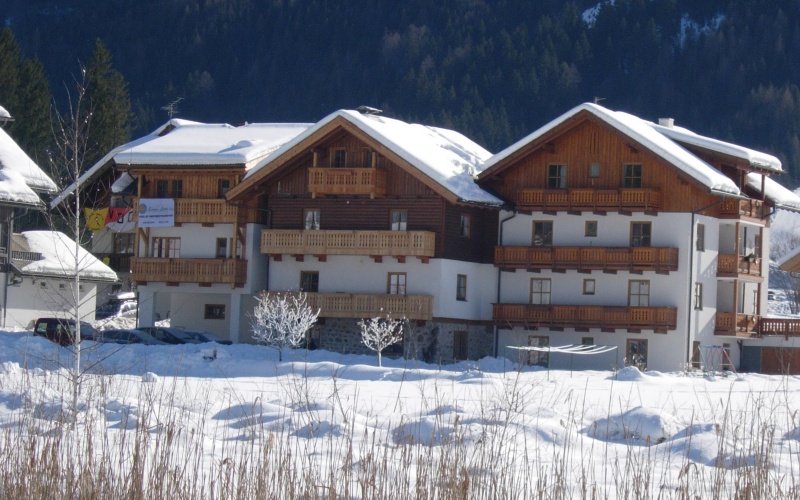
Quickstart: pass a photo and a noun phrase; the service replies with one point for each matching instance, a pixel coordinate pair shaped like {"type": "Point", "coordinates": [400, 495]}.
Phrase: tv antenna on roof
{"type": "Point", "coordinates": [598, 99]}
{"type": "Point", "coordinates": [172, 108]}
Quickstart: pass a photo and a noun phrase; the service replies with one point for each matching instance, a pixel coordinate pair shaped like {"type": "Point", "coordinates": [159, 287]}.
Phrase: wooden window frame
{"type": "Point", "coordinates": [168, 247]}
{"type": "Point", "coordinates": [222, 244]}
{"type": "Point", "coordinates": [700, 242]}
{"type": "Point", "coordinates": [314, 219]}
{"type": "Point", "coordinates": [402, 220]}
{"type": "Point", "coordinates": [339, 158]}
{"type": "Point", "coordinates": [367, 158]}
{"type": "Point", "coordinates": [594, 170]}
{"type": "Point", "coordinates": [632, 175]}
{"type": "Point", "coordinates": [629, 359]}
{"type": "Point", "coordinates": [223, 186]}
{"type": "Point", "coordinates": [543, 297]}
{"type": "Point", "coordinates": [539, 229]}
{"type": "Point", "coordinates": [698, 296]}
{"type": "Point", "coordinates": [638, 237]}
{"type": "Point", "coordinates": [162, 188]}
{"type": "Point", "coordinates": [460, 345]}
{"type": "Point", "coordinates": [589, 286]}
{"type": "Point", "coordinates": [461, 287]}
{"type": "Point", "coordinates": [587, 341]}
{"type": "Point", "coordinates": [465, 229]}
{"type": "Point", "coordinates": [309, 281]}
{"type": "Point", "coordinates": [590, 229]}
{"type": "Point", "coordinates": [214, 311]}
{"type": "Point", "coordinates": [637, 294]}
{"type": "Point", "coordinates": [397, 288]}
{"type": "Point", "coordinates": [124, 243]}
{"type": "Point", "coordinates": [176, 190]}
{"type": "Point", "coordinates": [538, 358]}
{"type": "Point", "coordinates": [556, 176]}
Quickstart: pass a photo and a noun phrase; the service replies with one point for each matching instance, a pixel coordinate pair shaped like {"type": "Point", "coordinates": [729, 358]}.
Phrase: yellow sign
{"type": "Point", "coordinates": [95, 219]}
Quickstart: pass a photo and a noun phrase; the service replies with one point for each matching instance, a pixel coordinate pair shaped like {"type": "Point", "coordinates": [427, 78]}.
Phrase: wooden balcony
{"type": "Point", "coordinates": [590, 200]}
{"type": "Point", "coordinates": [736, 325]}
{"type": "Point", "coordinates": [347, 181]}
{"type": "Point", "coordinates": [322, 242]}
{"type": "Point", "coordinates": [203, 271]}
{"type": "Point", "coordinates": [732, 266]}
{"type": "Point", "coordinates": [733, 208]}
{"type": "Point", "coordinates": [200, 211]}
{"type": "Point", "coordinates": [607, 318]}
{"type": "Point", "coordinates": [363, 305]}
{"type": "Point", "coordinates": [786, 327]}
{"type": "Point", "coordinates": [119, 262]}
{"type": "Point", "coordinates": [536, 258]}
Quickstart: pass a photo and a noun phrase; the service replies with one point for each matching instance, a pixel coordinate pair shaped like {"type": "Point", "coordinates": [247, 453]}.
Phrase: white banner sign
{"type": "Point", "coordinates": [156, 212]}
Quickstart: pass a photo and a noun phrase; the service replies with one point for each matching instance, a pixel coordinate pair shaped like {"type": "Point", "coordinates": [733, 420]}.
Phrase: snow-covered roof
{"type": "Point", "coordinates": [445, 156]}
{"type": "Point", "coordinates": [210, 144]}
{"type": "Point", "coordinates": [777, 194]}
{"type": "Point", "coordinates": [4, 114]}
{"type": "Point", "coordinates": [14, 190]}
{"type": "Point", "coordinates": [756, 159]}
{"type": "Point", "coordinates": [643, 132]}
{"type": "Point", "coordinates": [58, 258]}
{"type": "Point", "coordinates": [13, 158]}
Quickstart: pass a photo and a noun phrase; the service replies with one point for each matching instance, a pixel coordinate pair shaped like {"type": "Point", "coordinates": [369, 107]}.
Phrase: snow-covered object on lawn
{"type": "Point", "coordinates": [14, 190]}
{"type": "Point", "coordinates": [445, 156]}
{"type": "Point", "coordinates": [58, 258]}
{"type": "Point", "coordinates": [13, 158]}
{"type": "Point", "coordinates": [647, 425]}
{"type": "Point", "coordinates": [641, 131]}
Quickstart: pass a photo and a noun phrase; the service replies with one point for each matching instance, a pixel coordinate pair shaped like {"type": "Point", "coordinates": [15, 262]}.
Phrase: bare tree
{"type": "Point", "coordinates": [379, 333]}
{"type": "Point", "coordinates": [282, 319]}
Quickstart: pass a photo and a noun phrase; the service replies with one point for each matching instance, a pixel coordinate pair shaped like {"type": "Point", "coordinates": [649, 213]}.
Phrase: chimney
{"type": "Point", "coordinates": [666, 122]}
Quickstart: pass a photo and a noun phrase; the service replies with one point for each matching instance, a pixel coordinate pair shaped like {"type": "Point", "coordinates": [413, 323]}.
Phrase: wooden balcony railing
{"type": "Point", "coordinates": [735, 265]}
{"type": "Point", "coordinates": [323, 242]}
{"type": "Point", "coordinates": [200, 211]}
{"type": "Point", "coordinates": [736, 324]}
{"type": "Point", "coordinates": [733, 208]}
{"type": "Point", "coordinates": [151, 269]}
{"type": "Point", "coordinates": [659, 319]}
{"type": "Point", "coordinates": [363, 305]}
{"type": "Point", "coordinates": [596, 200]}
{"type": "Point", "coordinates": [787, 327]}
{"type": "Point", "coordinates": [657, 259]}
{"type": "Point", "coordinates": [349, 181]}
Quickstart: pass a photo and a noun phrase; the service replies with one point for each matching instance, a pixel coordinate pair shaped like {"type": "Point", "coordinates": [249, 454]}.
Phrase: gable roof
{"type": "Point", "coordinates": [774, 192]}
{"type": "Point", "coordinates": [13, 158]}
{"type": "Point", "coordinates": [15, 192]}
{"type": "Point", "coordinates": [58, 257]}
{"type": "Point", "coordinates": [643, 132]}
{"type": "Point", "coordinates": [446, 159]}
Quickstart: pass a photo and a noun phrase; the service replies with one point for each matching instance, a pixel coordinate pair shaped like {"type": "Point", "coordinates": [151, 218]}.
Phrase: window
{"type": "Point", "coordinates": [222, 187]}
{"type": "Point", "coordinates": [166, 248]}
{"type": "Point", "coordinates": [636, 353]}
{"type": "Point", "coordinates": [698, 295]}
{"type": "Point", "coordinates": [397, 283]}
{"type": "Point", "coordinates": [465, 223]}
{"type": "Point", "coordinates": [594, 170]}
{"type": "Point", "coordinates": [339, 158]}
{"type": "Point", "coordinates": [540, 291]}
{"type": "Point", "coordinates": [590, 229]}
{"type": "Point", "coordinates": [177, 189]}
{"type": "Point", "coordinates": [632, 176]}
{"type": "Point", "coordinates": [123, 243]}
{"type": "Point", "coordinates": [399, 220]}
{"type": "Point", "coordinates": [640, 234]}
{"type": "Point", "coordinates": [309, 281]}
{"type": "Point", "coordinates": [587, 340]}
{"type": "Point", "coordinates": [311, 218]}
{"type": "Point", "coordinates": [222, 248]}
{"type": "Point", "coordinates": [556, 176]}
{"type": "Point", "coordinates": [538, 358]}
{"type": "Point", "coordinates": [460, 345]}
{"type": "Point", "coordinates": [367, 158]}
{"type": "Point", "coordinates": [638, 293]}
{"type": "Point", "coordinates": [162, 189]}
{"type": "Point", "coordinates": [588, 287]}
{"type": "Point", "coordinates": [700, 244]}
{"type": "Point", "coordinates": [215, 311]}
{"type": "Point", "coordinates": [461, 287]}
{"type": "Point", "coordinates": [542, 233]}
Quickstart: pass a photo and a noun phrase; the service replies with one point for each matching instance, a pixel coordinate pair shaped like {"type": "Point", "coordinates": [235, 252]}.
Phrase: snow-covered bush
{"type": "Point", "coordinates": [379, 333]}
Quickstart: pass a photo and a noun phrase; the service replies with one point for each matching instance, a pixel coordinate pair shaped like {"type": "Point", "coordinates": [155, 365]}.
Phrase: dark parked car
{"type": "Point", "coordinates": [62, 330]}
{"type": "Point", "coordinates": [122, 336]}
{"type": "Point", "coordinates": [182, 336]}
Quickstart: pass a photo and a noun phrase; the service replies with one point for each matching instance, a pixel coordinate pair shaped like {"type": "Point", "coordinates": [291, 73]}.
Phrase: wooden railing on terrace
{"type": "Point", "coordinates": [597, 200]}
{"type": "Point", "coordinates": [325, 242]}
{"type": "Point", "coordinates": [571, 316]}
{"type": "Point", "coordinates": [153, 269]}
{"type": "Point", "coordinates": [200, 211]}
{"type": "Point", "coordinates": [734, 265]}
{"type": "Point", "coordinates": [657, 259]}
{"type": "Point", "coordinates": [349, 181]}
{"type": "Point", "coordinates": [750, 325]}
{"type": "Point", "coordinates": [733, 208]}
{"type": "Point", "coordinates": [364, 305]}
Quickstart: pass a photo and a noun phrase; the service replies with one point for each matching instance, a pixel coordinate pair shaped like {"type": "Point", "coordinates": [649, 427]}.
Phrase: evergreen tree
{"type": "Point", "coordinates": [9, 70]}
{"type": "Point", "coordinates": [32, 129]}
{"type": "Point", "coordinates": [109, 104]}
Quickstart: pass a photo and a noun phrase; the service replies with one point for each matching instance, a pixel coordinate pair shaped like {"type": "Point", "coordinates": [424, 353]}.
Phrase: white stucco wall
{"type": "Point", "coordinates": [30, 300]}
{"type": "Point", "coordinates": [197, 241]}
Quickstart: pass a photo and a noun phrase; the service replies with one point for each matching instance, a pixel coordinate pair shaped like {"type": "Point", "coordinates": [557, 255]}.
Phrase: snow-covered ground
{"type": "Point", "coordinates": [507, 431]}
